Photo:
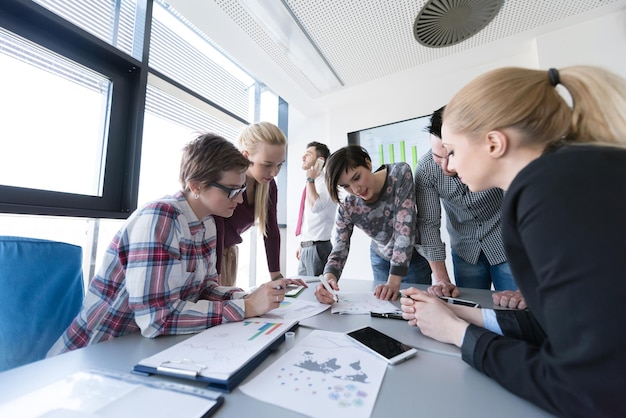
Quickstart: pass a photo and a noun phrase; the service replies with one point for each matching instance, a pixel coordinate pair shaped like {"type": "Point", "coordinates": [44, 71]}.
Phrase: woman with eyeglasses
{"type": "Point", "coordinates": [159, 275]}
{"type": "Point", "coordinates": [265, 146]}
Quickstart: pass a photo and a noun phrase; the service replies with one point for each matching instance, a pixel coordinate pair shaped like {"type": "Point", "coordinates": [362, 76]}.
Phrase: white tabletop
{"type": "Point", "coordinates": [435, 383]}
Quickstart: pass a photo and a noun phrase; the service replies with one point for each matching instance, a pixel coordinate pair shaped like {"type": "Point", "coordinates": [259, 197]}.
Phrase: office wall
{"type": "Point", "coordinates": [413, 93]}
{"type": "Point", "coordinates": [600, 42]}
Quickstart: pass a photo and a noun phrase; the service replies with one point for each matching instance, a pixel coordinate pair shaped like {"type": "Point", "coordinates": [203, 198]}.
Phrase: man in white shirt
{"type": "Point", "coordinates": [317, 213]}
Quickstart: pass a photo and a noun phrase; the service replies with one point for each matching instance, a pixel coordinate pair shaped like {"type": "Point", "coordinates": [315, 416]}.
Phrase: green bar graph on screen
{"type": "Point", "coordinates": [402, 145]}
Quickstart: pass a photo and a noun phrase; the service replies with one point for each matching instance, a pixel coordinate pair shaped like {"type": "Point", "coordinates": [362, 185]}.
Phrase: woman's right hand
{"type": "Point", "coordinates": [323, 295]}
{"type": "Point", "coordinates": [266, 297]}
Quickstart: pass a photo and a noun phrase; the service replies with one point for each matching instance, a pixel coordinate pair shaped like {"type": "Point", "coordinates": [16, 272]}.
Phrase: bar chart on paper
{"type": "Point", "coordinates": [220, 350]}
{"type": "Point", "coordinates": [262, 328]}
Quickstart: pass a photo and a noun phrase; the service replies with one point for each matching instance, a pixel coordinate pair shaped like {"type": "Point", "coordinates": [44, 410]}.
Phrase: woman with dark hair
{"type": "Point", "coordinates": [382, 205]}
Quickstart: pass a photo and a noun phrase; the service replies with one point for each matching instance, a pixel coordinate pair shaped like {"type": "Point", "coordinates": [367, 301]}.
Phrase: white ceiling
{"type": "Point", "coordinates": [366, 40]}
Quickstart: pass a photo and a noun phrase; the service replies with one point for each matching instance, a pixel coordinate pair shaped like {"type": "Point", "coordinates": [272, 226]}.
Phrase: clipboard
{"type": "Point", "coordinates": [106, 393]}
{"type": "Point", "coordinates": [221, 356]}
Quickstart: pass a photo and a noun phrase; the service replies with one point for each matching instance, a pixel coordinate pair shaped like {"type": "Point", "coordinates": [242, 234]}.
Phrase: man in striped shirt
{"type": "Point", "coordinates": [473, 222]}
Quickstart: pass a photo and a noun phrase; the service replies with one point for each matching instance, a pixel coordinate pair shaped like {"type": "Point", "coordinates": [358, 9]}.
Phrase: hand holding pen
{"type": "Point", "coordinates": [326, 292]}
{"type": "Point", "coordinates": [266, 297]}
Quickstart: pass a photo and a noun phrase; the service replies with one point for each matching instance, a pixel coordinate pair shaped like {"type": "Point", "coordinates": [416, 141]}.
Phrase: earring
{"type": "Point", "coordinates": [196, 195]}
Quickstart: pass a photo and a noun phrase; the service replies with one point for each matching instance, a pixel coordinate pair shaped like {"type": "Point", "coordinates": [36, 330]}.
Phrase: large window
{"type": "Point", "coordinates": [74, 110]}
{"type": "Point", "coordinates": [70, 105]}
{"type": "Point", "coordinates": [100, 112]}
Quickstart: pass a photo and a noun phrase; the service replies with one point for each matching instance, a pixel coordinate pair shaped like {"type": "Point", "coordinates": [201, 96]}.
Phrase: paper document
{"type": "Point", "coordinates": [93, 394]}
{"type": "Point", "coordinates": [326, 374]}
{"type": "Point", "coordinates": [295, 310]}
{"type": "Point", "coordinates": [361, 303]}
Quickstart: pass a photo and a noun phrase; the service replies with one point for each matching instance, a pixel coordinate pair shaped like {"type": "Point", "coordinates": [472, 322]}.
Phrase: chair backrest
{"type": "Point", "coordinates": [41, 291]}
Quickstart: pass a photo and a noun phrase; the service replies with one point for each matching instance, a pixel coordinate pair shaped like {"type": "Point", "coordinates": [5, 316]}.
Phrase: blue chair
{"type": "Point", "coordinates": [41, 291]}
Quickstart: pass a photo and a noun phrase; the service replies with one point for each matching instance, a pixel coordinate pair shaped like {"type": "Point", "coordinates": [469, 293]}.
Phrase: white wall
{"type": "Point", "coordinates": [600, 41]}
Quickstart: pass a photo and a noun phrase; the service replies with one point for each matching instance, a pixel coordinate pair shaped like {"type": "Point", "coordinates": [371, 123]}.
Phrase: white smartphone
{"type": "Point", "coordinates": [319, 164]}
{"type": "Point", "coordinates": [383, 345]}
{"type": "Point", "coordinates": [293, 290]}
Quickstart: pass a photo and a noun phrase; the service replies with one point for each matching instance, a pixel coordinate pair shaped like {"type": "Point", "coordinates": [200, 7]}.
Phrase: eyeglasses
{"type": "Point", "coordinates": [232, 193]}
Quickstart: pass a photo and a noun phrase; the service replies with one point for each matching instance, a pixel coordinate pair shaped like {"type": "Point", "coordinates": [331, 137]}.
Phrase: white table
{"type": "Point", "coordinates": [435, 383]}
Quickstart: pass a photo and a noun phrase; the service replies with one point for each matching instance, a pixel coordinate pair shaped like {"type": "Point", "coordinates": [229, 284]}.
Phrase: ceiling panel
{"type": "Point", "coordinates": [364, 40]}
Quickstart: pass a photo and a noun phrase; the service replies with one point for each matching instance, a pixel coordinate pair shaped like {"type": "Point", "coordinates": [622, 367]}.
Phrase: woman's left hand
{"type": "Point", "coordinates": [387, 291]}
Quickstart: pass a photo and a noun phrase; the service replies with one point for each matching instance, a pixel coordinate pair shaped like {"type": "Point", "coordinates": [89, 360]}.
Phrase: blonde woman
{"type": "Point", "coordinates": [265, 146]}
{"type": "Point", "coordinates": [564, 231]}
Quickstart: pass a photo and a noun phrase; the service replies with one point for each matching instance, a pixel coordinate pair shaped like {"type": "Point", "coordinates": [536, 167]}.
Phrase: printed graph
{"type": "Point", "coordinates": [220, 350]}
{"type": "Point", "coordinates": [264, 328]}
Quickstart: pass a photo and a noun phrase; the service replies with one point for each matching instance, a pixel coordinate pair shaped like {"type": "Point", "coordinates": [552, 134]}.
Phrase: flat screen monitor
{"type": "Point", "coordinates": [405, 141]}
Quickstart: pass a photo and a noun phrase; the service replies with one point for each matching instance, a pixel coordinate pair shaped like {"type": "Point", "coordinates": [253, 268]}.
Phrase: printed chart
{"type": "Point", "coordinates": [295, 310]}
{"type": "Point", "coordinates": [326, 374]}
{"type": "Point", "coordinates": [222, 350]}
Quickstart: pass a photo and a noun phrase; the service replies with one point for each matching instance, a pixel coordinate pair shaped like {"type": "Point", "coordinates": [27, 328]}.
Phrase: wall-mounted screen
{"type": "Point", "coordinates": [405, 141]}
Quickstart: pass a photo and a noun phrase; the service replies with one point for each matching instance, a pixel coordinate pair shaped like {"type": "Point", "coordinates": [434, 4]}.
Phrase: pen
{"type": "Point", "coordinates": [455, 301]}
{"type": "Point", "coordinates": [386, 315]}
{"type": "Point", "coordinates": [330, 289]}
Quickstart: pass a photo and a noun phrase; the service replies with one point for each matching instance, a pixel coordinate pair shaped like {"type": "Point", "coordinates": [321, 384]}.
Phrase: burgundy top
{"type": "Point", "coordinates": [229, 230]}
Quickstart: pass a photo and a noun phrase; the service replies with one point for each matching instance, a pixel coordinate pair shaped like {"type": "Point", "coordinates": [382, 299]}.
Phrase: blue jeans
{"type": "Point", "coordinates": [419, 269]}
{"type": "Point", "coordinates": [482, 274]}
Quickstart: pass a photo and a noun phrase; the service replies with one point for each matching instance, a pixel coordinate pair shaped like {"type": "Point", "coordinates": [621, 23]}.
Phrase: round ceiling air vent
{"type": "Point", "coordinates": [447, 22]}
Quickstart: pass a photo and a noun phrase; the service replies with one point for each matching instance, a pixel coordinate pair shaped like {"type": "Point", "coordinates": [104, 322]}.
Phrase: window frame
{"type": "Point", "coordinates": [129, 76]}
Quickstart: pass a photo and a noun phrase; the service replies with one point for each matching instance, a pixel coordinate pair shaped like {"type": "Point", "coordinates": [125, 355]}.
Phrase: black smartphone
{"type": "Point", "coordinates": [384, 346]}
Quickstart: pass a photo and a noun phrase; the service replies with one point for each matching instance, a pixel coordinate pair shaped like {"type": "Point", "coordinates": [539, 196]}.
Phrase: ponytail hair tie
{"type": "Point", "coordinates": [553, 76]}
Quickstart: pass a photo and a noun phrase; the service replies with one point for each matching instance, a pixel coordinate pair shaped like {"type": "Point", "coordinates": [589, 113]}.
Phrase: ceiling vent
{"type": "Point", "coordinates": [443, 23]}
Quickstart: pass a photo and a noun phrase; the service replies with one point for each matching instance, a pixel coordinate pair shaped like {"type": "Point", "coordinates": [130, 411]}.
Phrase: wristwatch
{"type": "Point", "coordinates": [310, 180]}
{"type": "Point", "coordinates": [278, 276]}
